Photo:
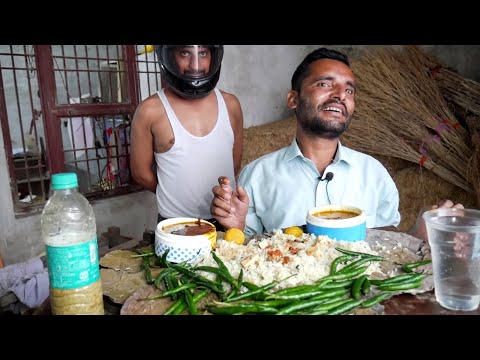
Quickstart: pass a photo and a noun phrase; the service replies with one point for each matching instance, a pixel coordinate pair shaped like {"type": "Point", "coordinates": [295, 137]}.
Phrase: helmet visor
{"type": "Point", "coordinates": [192, 62]}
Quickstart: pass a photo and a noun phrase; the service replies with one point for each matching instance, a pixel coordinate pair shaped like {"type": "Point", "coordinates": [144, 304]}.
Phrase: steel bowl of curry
{"type": "Point", "coordinates": [186, 239]}
{"type": "Point", "coordinates": [339, 222]}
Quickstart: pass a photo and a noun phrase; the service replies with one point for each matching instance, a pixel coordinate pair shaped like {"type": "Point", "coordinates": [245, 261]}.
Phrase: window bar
{"type": "Point", "coordinates": [74, 146]}
{"type": "Point", "coordinates": [19, 111]}
{"type": "Point", "coordinates": [110, 86]}
{"type": "Point", "coordinates": [33, 126]}
{"type": "Point", "coordinates": [147, 63]}
{"type": "Point", "coordinates": [6, 137]}
{"type": "Point", "coordinates": [65, 77]}
{"type": "Point", "coordinates": [91, 120]}
{"type": "Point", "coordinates": [121, 73]}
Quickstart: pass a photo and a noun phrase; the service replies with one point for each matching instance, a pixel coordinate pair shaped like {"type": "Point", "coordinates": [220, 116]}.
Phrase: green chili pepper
{"type": "Point", "coordinates": [169, 284]}
{"type": "Point", "coordinates": [252, 293]}
{"type": "Point", "coordinates": [357, 263]}
{"type": "Point", "coordinates": [163, 259]}
{"type": "Point", "coordinates": [146, 268]}
{"type": "Point", "coordinates": [354, 253]}
{"type": "Point", "coordinates": [347, 275]}
{"type": "Point", "coordinates": [400, 286]}
{"type": "Point", "coordinates": [191, 305]}
{"type": "Point", "coordinates": [349, 305]}
{"type": "Point", "coordinates": [295, 296]}
{"type": "Point", "coordinates": [241, 309]}
{"type": "Point", "coordinates": [338, 284]}
{"type": "Point", "coordinates": [330, 304]}
{"type": "Point", "coordinates": [227, 274]}
{"type": "Point", "coordinates": [357, 286]}
{"type": "Point", "coordinates": [239, 282]}
{"type": "Point", "coordinates": [250, 286]}
{"type": "Point", "coordinates": [335, 293]}
{"type": "Point", "coordinates": [399, 279]}
{"type": "Point", "coordinates": [300, 305]}
{"type": "Point", "coordinates": [196, 299]}
{"type": "Point", "coordinates": [375, 299]}
{"type": "Point", "coordinates": [158, 280]}
{"type": "Point", "coordinates": [366, 287]}
{"type": "Point", "coordinates": [174, 306]}
{"type": "Point", "coordinates": [173, 291]}
{"type": "Point", "coordinates": [338, 260]}
{"type": "Point", "coordinates": [199, 279]}
{"type": "Point", "coordinates": [409, 267]}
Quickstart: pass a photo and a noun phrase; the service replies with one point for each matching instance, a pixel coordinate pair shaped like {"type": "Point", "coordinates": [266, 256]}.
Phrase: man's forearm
{"type": "Point", "coordinates": [149, 181]}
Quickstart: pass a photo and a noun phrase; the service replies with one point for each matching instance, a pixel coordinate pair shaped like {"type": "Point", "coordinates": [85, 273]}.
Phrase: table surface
{"type": "Point", "coordinates": [403, 304]}
{"type": "Point", "coordinates": [419, 304]}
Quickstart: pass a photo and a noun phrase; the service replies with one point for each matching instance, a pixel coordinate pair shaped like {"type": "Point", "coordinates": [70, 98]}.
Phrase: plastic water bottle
{"type": "Point", "coordinates": [69, 232]}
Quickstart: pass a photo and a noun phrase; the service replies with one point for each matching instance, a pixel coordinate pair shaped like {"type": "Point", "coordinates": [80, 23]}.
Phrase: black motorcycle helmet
{"type": "Point", "coordinates": [192, 71]}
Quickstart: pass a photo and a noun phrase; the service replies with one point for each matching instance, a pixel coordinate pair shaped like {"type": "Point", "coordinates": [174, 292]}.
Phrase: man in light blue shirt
{"type": "Point", "coordinates": [276, 190]}
{"type": "Point", "coordinates": [285, 185]}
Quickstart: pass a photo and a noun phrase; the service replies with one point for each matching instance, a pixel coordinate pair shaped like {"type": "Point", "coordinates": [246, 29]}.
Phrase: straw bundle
{"type": "Point", "coordinates": [463, 93]}
{"type": "Point", "coordinates": [400, 112]}
{"type": "Point", "coordinates": [474, 126]}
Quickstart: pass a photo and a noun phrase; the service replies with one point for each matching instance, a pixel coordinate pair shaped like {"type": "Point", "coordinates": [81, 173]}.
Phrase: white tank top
{"type": "Point", "coordinates": [190, 169]}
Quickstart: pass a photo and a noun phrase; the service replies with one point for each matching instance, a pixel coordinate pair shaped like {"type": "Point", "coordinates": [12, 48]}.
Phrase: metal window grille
{"type": "Point", "coordinates": [69, 108]}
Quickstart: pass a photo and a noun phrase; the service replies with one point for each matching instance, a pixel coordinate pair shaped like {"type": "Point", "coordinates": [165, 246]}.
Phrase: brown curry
{"type": "Point", "coordinates": [335, 215]}
{"type": "Point", "coordinates": [192, 229]}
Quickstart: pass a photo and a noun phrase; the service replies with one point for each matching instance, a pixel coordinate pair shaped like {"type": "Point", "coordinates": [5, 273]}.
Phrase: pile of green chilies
{"type": "Point", "coordinates": [339, 292]}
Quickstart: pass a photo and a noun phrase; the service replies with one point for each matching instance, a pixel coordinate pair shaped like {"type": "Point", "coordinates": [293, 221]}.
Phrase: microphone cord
{"type": "Point", "coordinates": [326, 190]}
{"type": "Point", "coordinates": [328, 178]}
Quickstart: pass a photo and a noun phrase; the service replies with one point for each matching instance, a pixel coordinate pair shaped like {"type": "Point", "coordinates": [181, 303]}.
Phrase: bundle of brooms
{"type": "Point", "coordinates": [464, 97]}
{"type": "Point", "coordinates": [473, 124]}
{"type": "Point", "coordinates": [461, 92]}
{"type": "Point", "coordinates": [400, 112]}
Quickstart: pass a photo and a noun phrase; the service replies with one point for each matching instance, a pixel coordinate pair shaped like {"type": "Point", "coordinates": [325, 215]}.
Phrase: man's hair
{"type": "Point", "coordinates": [323, 53]}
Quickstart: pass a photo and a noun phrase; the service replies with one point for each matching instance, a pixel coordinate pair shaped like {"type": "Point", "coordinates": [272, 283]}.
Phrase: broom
{"type": "Point", "coordinates": [375, 137]}
{"type": "Point", "coordinates": [474, 127]}
{"type": "Point", "coordinates": [462, 92]}
{"type": "Point", "coordinates": [400, 112]}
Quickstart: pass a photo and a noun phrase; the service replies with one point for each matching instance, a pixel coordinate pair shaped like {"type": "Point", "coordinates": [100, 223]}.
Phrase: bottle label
{"type": "Point", "coordinates": [71, 267]}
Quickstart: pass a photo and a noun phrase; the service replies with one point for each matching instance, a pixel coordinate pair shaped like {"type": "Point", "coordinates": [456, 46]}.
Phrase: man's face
{"type": "Point", "coordinates": [325, 104]}
{"type": "Point", "coordinates": [193, 61]}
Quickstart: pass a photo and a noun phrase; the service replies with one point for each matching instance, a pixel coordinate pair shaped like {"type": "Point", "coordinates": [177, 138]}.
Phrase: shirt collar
{"type": "Point", "coordinates": [292, 151]}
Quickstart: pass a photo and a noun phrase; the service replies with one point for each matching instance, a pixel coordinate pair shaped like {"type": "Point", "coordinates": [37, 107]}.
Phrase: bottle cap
{"type": "Point", "coordinates": [64, 181]}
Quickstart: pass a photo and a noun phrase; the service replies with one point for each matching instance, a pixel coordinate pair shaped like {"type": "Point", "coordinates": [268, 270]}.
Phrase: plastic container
{"type": "Point", "coordinates": [183, 248]}
{"type": "Point", "coordinates": [454, 238]}
{"type": "Point", "coordinates": [349, 229]}
{"type": "Point", "coordinates": [69, 232]}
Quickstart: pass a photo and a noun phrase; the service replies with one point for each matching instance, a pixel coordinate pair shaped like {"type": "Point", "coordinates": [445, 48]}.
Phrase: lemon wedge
{"type": "Point", "coordinates": [294, 230]}
{"type": "Point", "coordinates": [235, 235]}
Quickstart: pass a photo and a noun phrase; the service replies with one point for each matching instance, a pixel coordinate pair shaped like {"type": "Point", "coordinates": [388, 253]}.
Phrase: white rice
{"type": "Point", "coordinates": [270, 259]}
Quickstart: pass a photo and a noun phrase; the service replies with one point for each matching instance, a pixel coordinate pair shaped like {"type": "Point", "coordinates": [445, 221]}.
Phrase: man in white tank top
{"type": "Point", "coordinates": [192, 131]}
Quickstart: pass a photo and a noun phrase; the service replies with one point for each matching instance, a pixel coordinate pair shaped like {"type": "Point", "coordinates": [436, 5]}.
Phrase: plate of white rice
{"type": "Point", "coordinates": [280, 257]}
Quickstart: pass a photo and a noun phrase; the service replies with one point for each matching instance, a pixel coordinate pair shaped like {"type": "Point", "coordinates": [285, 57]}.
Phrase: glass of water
{"type": "Point", "coordinates": [454, 237]}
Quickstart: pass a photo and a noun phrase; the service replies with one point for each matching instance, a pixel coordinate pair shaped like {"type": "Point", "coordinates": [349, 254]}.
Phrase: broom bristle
{"type": "Point", "coordinates": [463, 93]}
{"type": "Point", "coordinates": [400, 112]}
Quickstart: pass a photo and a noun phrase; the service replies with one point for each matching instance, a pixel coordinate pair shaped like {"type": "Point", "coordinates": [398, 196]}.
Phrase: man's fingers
{"type": "Point", "coordinates": [219, 192]}
{"type": "Point", "coordinates": [223, 181]}
{"type": "Point", "coordinates": [219, 212]}
{"type": "Point", "coordinates": [445, 203]}
{"type": "Point", "coordinates": [218, 203]}
{"type": "Point", "coordinates": [242, 194]}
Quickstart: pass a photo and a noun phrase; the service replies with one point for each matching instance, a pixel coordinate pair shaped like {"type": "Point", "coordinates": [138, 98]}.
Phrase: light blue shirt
{"type": "Point", "coordinates": [283, 186]}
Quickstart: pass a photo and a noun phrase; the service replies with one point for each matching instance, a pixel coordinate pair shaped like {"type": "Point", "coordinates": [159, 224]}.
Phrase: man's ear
{"type": "Point", "coordinates": [292, 99]}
